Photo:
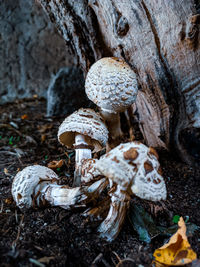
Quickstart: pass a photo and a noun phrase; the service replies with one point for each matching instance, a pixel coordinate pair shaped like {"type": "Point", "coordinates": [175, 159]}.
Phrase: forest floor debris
{"type": "Point", "coordinates": [57, 237]}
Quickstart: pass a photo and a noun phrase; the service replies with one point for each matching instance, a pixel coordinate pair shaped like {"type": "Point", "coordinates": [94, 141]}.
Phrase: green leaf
{"type": "Point", "coordinates": [10, 140]}
{"type": "Point", "coordinates": [143, 223]}
{"type": "Point", "coordinates": [176, 218]}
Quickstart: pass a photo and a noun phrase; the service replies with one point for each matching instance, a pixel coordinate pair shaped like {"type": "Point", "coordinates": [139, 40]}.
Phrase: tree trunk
{"type": "Point", "coordinates": [159, 39]}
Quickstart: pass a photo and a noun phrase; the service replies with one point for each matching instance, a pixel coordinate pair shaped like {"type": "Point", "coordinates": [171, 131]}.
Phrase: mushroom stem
{"type": "Point", "coordinates": [114, 126]}
{"type": "Point", "coordinates": [110, 227]}
{"type": "Point", "coordinates": [66, 197]}
{"type": "Point", "coordinates": [83, 151]}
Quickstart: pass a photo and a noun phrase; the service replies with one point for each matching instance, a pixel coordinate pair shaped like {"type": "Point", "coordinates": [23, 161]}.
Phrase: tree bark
{"type": "Point", "coordinates": [159, 39]}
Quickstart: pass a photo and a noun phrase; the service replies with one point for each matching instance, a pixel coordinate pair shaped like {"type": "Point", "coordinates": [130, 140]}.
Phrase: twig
{"type": "Point", "coordinates": [12, 154]}
{"type": "Point", "coordinates": [117, 256]}
{"type": "Point", "coordinates": [3, 125]}
{"type": "Point", "coordinates": [124, 260]}
{"type": "Point", "coordinates": [97, 259]}
{"type": "Point", "coordinates": [1, 206]}
{"type": "Point", "coordinates": [14, 243]}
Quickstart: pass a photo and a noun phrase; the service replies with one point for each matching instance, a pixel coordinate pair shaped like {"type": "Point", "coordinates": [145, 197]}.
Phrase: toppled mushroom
{"type": "Point", "coordinates": [86, 128]}
{"type": "Point", "coordinates": [134, 168]}
{"type": "Point", "coordinates": [36, 186]}
{"type": "Point", "coordinates": [112, 85]}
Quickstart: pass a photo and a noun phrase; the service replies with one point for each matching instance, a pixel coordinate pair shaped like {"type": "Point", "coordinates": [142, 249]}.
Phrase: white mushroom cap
{"type": "Point", "coordinates": [26, 181]}
{"type": "Point", "coordinates": [134, 165]}
{"type": "Point", "coordinates": [111, 84]}
{"type": "Point", "coordinates": [86, 122]}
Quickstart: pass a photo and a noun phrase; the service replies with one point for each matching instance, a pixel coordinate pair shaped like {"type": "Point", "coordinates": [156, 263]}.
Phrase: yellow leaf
{"type": "Point", "coordinates": [25, 116]}
{"type": "Point", "coordinates": [178, 250]}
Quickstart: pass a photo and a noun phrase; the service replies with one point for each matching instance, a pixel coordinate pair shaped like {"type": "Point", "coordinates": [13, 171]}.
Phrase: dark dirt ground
{"type": "Point", "coordinates": [56, 237]}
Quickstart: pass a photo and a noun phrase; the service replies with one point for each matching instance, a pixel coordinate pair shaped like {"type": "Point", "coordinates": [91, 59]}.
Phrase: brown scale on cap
{"type": "Point", "coordinates": [156, 181]}
{"type": "Point", "coordinates": [131, 154]}
{"type": "Point", "coordinates": [115, 159]}
{"type": "Point", "coordinates": [87, 116]}
{"type": "Point", "coordinates": [148, 167]}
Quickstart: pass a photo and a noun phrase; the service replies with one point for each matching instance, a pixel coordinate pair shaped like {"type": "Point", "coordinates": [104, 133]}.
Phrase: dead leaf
{"type": "Point", "coordinates": [55, 164]}
{"type": "Point", "coordinates": [44, 128]}
{"type": "Point", "coordinates": [45, 259]}
{"type": "Point", "coordinates": [25, 116]}
{"type": "Point", "coordinates": [43, 138]}
{"type": "Point", "coordinates": [178, 250]}
{"type": "Point", "coordinates": [6, 171]}
{"type": "Point", "coordinates": [8, 200]}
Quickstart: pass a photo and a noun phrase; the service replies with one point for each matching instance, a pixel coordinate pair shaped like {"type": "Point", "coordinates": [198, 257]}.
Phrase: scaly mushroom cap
{"type": "Point", "coordinates": [134, 165]}
{"type": "Point", "coordinates": [25, 182]}
{"type": "Point", "coordinates": [111, 84]}
{"type": "Point", "coordinates": [86, 122]}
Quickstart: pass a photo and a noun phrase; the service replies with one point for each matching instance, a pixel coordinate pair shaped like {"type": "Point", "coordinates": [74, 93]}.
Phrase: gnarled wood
{"type": "Point", "coordinates": [160, 41]}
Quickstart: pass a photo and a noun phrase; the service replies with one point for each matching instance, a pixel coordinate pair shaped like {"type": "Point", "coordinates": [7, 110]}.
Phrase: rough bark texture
{"type": "Point", "coordinates": [31, 50]}
{"type": "Point", "coordinates": [160, 41]}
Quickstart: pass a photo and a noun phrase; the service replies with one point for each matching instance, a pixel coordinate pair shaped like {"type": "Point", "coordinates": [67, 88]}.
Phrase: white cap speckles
{"type": "Point", "coordinates": [111, 84]}
{"type": "Point", "coordinates": [26, 181]}
{"type": "Point", "coordinates": [134, 165]}
{"type": "Point", "coordinates": [86, 122]}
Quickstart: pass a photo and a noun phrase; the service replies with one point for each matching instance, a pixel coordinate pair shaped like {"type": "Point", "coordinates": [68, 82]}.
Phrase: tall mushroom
{"type": "Point", "coordinates": [36, 186]}
{"type": "Point", "coordinates": [87, 130]}
{"type": "Point", "coordinates": [134, 168]}
{"type": "Point", "coordinates": [112, 85]}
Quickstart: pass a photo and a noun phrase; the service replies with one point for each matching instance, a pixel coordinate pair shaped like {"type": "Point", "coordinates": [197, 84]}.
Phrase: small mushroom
{"type": "Point", "coordinates": [112, 85]}
{"type": "Point", "coordinates": [134, 168]}
{"type": "Point", "coordinates": [86, 128]}
{"type": "Point", "coordinates": [36, 186]}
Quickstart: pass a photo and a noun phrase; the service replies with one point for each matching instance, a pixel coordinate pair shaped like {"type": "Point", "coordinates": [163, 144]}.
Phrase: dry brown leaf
{"type": "Point", "coordinates": [55, 164]}
{"type": "Point", "coordinates": [25, 116]}
{"type": "Point", "coordinates": [8, 200]}
{"type": "Point", "coordinates": [44, 128]}
{"type": "Point", "coordinates": [178, 250]}
{"type": "Point", "coordinates": [6, 171]}
{"type": "Point", "coordinates": [45, 259]}
{"type": "Point", "coordinates": [43, 138]}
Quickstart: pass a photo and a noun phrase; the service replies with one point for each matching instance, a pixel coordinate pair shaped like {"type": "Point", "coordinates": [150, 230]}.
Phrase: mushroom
{"type": "Point", "coordinates": [134, 168]}
{"type": "Point", "coordinates": [36, 186]}
{"type": "Point", "coordinates": [112, 85]}
{"type": "Point", "coordinates": [86, 128]}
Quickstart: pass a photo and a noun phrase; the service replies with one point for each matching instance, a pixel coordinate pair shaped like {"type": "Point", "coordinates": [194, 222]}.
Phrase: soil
{"type": "Point", "coordinates": [57, 237]}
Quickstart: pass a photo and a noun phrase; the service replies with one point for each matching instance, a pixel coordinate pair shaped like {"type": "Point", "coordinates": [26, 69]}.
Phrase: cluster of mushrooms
{"type": "Point", "coordinates": [126, 169]}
